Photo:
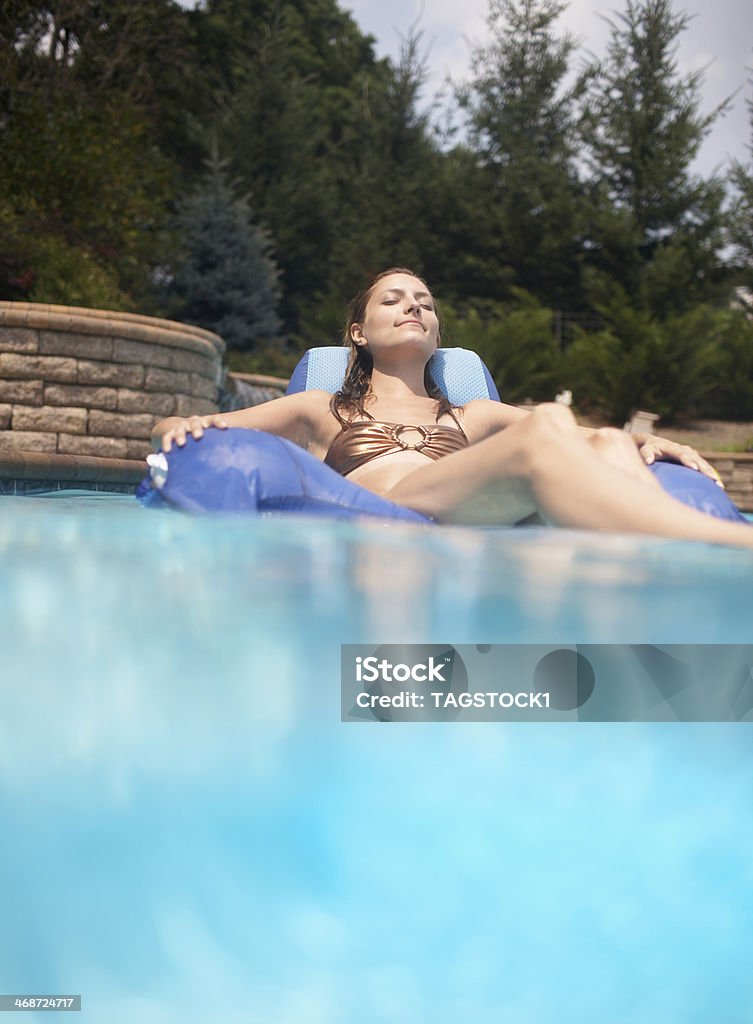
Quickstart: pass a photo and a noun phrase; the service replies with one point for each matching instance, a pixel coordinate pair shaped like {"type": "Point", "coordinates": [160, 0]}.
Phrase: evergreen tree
{"type": "Point", "coordinates": [656, 227]}
{"type": "Point", "coordinates": [669, 364]}
{"type": "Point", "coordinates": [226, 280]}
{"type": "Point", "coordinates": [388, 173]}
{"type": "Point", "coordinates": [516, 342]}
{"type": "Point", "coordinates": [741, 215]}
{"type": "Point", "coordinates": [385, 180]}
{"type": "Point", "coordinates": [521, 117]}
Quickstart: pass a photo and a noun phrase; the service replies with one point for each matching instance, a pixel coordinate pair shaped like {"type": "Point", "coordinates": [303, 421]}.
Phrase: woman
{"type": "Point", "coordinates": [392, 432]}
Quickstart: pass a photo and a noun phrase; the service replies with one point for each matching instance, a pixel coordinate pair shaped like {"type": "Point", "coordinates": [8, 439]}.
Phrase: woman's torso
{"type": "Point", "coordinates": [396, 423]}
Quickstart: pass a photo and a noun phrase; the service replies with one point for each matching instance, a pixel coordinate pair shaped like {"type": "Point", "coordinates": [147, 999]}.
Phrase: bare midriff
{"type": "Point", "coordinates": [382, 474]}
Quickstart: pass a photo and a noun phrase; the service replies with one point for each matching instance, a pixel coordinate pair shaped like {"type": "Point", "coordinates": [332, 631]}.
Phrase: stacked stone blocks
{"type": "Point", "coordinates": [736, 470]}
{"type": "Point", "coordinates": [89, 382]}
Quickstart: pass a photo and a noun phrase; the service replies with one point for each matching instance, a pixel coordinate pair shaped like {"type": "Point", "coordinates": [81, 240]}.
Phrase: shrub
{"type": "Point", "coordinates": [732, 394]}
{"type": "Point", "coordinates": [670, 366]}
{"type": "Point", "coordinates": [516, 342]}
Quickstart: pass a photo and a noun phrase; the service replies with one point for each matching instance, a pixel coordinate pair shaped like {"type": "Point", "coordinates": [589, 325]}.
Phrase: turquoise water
{"type": "Point", "coordinates": [190, 833]}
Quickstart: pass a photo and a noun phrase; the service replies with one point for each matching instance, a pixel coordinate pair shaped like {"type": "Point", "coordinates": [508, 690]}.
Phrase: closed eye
{"type": "Point", "coordinates": [392, 300]}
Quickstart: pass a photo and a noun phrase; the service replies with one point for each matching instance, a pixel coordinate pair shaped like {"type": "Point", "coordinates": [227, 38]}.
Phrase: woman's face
{"type": "Point", "coordinates": [400, 311]}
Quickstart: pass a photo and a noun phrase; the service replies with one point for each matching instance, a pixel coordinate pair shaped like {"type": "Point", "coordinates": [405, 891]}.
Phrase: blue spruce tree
{"type": "Point", "coordinates": [226, 279]}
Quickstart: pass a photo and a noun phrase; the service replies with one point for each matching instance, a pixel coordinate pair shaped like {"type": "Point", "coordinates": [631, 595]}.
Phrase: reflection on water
{"type": "Point", "coordinates": [190, 834]}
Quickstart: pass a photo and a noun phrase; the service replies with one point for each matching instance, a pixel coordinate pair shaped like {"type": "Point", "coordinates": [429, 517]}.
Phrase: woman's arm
{"type": "Point", "coordinates": [296, 417]}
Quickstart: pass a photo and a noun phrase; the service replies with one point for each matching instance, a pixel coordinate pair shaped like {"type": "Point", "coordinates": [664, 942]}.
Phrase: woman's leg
{"type": "Point", "coordinates": [544, 464]}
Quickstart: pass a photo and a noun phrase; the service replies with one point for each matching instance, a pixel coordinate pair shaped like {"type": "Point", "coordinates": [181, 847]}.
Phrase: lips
{"type": "Point", "coordinates": [416, 322]}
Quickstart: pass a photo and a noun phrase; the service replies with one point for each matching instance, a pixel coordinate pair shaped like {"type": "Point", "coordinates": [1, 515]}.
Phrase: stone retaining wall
{"type": "Point", "coordinates": [242, 390]}
{"type": "Point", "coordinates": [736, 470]}
{"type": "Point", "coordinates": [80, 381]}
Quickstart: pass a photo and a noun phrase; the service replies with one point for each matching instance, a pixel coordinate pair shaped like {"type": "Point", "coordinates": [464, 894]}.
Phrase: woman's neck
{"type": "Point", "coordinates": [393, 387]}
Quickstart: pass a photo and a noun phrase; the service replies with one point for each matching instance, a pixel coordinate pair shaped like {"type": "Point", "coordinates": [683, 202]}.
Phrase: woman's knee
{"type": "Point", "coordinates": [618, 448]}
{"type": "Point", "coordinates": [607, 440]}
{"type": "Point", "coordinates": [528, 448]}
{"type": "Point", "coordinates": [552, 416]}
{"type": "Point", "coordinates": [546, 421]}
{"type": "Point", "coordinates": [549, 427]}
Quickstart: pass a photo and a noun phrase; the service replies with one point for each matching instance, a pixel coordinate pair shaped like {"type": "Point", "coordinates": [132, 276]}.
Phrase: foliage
{"type": "Point", "coordinates": [45, 268]}
{"type": "Point", "coordinates": [322, 321]}
{"type": "Point", "coordinates": [273, 359]}
{"type": "Point", "coordinates": [224, 278]}
{"type": "Point", "coordinates": [655, 227]}
{"type": "Point", "coordinates": [306, 129]}
{"type": "Point", "coordinates": [741, 214]}
{"type": "Point", "coordinates": [556, 191]}
{"type": "Point", "coordinates": [516, 342]}
{"type": "Point", "coordinates": [521, 121]}
{"type": "Point", "coordinates": [670, 366]}
{"type": "Point", "coordinates": [464, 261]}
{"type": "Point", "coordinates": [732, 395]}
{"type": "Point", "coordinates": [85, 183]}
{"type": "Point", "coordinates": [87, 179]}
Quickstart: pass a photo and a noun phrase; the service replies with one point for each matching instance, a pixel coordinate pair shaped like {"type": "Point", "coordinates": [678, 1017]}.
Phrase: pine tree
{"type": "Point", "coordinates": [521, 117]}
{"type": "Point", "coordinates": [656, 226]}
{"type": "Point", "coordinates": [741, 215]}
{"type": "Point", "coordinates": [226, 280]}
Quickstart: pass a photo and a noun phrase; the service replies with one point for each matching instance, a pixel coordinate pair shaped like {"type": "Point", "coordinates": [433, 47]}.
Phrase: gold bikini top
{"type": "Point", "coordinates": [360, 442]}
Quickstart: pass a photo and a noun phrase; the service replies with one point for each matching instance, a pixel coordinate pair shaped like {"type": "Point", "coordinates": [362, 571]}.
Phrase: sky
{"type": "Point", "coordinates": [719, 38]}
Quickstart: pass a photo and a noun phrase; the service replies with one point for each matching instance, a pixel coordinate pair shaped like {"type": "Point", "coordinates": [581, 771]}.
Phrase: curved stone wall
{"type": "Point", "coordinates": [80, 381]}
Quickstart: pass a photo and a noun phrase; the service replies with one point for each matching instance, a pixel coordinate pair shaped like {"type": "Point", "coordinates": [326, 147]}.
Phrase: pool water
{"type": "Point", "coordinates": [191, 834]}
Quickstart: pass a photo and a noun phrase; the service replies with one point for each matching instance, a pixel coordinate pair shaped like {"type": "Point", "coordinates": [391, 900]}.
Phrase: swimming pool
{"type": "Point", "coordinates": [191, 834]}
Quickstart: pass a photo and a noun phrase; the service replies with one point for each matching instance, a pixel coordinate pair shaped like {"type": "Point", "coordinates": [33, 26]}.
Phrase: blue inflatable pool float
{"type": "Point", "coordinates": [237, 470]}
{"type": "Point", "coordinates": [250, 471]}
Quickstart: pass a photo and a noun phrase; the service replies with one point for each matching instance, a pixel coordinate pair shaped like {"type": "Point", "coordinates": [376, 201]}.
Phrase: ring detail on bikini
{"type": "Point", "coordinates": [407, 446]}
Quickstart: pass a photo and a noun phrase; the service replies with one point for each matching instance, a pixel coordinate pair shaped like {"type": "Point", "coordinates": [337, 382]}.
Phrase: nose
{"type": "Point", "coordinates": [413, 306]}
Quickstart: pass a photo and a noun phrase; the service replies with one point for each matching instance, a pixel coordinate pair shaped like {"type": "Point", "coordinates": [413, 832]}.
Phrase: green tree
{"type": "Point", "coordinates": [83, 180]}
{"type": "Point", "coordinates": [655, 225]}
{"type": "Point", "coordinates": [304, 81]}
{"type": "Point", "coordinates": [386, 181]}
{"type": "Point", "coordinates": [388, 173]}
{"type": "Point", "coordinates": [226, 279]}
{"type": "Point", "coordinates": [671, 364]}
{"type": "Point", "coordinates": [515, 341]}
{"type": "Point", "coordinates": [521, 117]}
{"type": "Point", "coordinates": [741, 214]}
{"type": "Point", "coordinates": [732, 394]}
{"type": "Point", "coordinates": [337, 148]}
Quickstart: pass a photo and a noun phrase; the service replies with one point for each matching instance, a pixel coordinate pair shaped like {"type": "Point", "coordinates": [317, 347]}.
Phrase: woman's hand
{"type": "Point", "coordinates": [194, 425]}
{"type": "Point", "coordinates": [653, 448]}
